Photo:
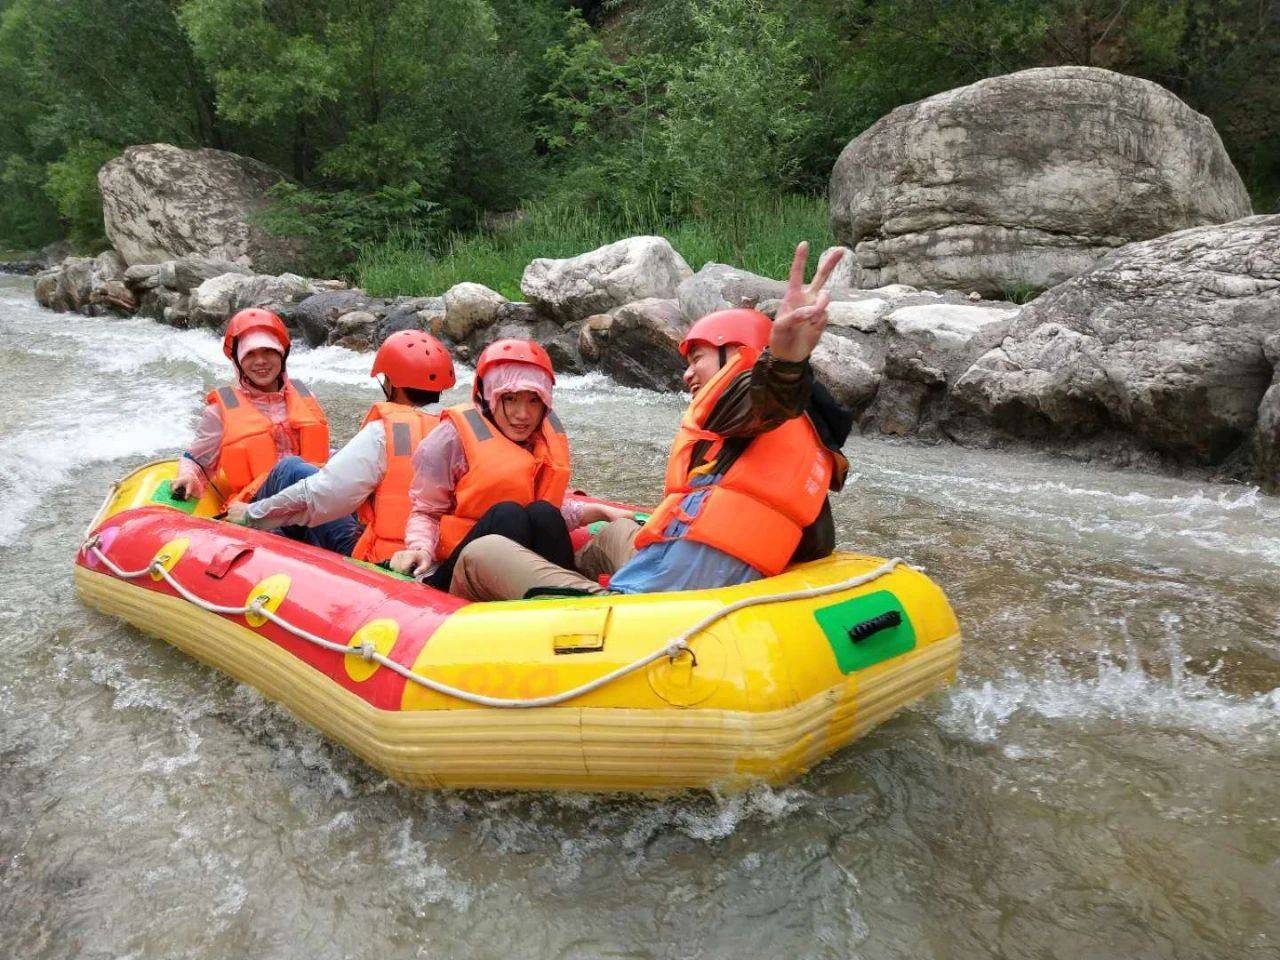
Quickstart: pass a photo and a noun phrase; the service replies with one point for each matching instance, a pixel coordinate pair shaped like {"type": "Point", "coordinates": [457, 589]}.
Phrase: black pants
{"type": "Point", "coordinates": [539, 526]}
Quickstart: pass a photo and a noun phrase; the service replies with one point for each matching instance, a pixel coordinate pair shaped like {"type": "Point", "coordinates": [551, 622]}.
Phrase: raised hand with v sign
{"type": "Point", "coordinates": [802, 314]}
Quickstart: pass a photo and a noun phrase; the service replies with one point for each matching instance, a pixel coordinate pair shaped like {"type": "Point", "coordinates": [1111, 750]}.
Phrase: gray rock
{"type": "Point", "coordinates": [74, 284]}
{"type": "Point", "coordinates": [161, 202]}
{"type": "Point", "coordinates": [114, 296]}
{"type": "Point", "coordinates": [593, 335]}
{"type": "Point", "coordinates": [1025, 180]}
{"type": "Point", "coordinates": [926, 348]}
{"type": "Point", "coordinates": [866, 315]}
{"type": "Point", "coordinates": [611, 276]}
{"type": "Point", "coordinates": [161, 303]}
{"type": "Point", "coordinates": [108, 265]}
{"type": "Point", "coordinates": [24, 268]}
{"type": "Point", "coordinates": [643, 345]}
{"type": "Point", "coordinates": [718, 286]}
{"type": "Point", "coordinates": [317, 315]}
{"type": "Point", "coordinates": [849, 370]}
{"type": "Point", "coordinates": [1158, 348]}
{"type": "Point", "coordinates": [469, 307]}
{"type": "Point", "coordinates": [188, 273]}
{"type": "Point", "coordinates": [1266, 435]}
{"type": "Point", "coordinates": [46, 288]}
{"type": "Point", "coordinates": [412, 313]}
{"type": "Point", "coordinates": [217, 298]}
{"type": "Point", "coordinates": [143, 276]}
{"type": "Point", "coordinates": [517, 311]}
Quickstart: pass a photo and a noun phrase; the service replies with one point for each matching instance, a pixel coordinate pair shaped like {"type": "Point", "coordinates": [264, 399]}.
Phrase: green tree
{"type": "Point", "coordinates": [737, 113]}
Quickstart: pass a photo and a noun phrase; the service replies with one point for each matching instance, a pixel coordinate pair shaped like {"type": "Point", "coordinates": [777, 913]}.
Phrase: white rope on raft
{"type": "Point", "coordinates": [672, 649]}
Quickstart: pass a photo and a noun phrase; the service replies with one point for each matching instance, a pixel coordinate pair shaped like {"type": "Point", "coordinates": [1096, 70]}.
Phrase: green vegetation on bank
{"type": "Point", "coordinates": [409, 127]}
{"type": "Point", "coordinates": [410, 266]}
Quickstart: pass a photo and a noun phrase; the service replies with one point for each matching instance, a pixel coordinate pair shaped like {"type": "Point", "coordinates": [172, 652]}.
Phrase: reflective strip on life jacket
{"type": "Point", "coordinates": [386, 512]}
{"type": "Point", "coordinates": [757, 511]}
{"type": "Point", "coordinates": [499, 470]}
{"type": "Point", "coordinates": [249, 450]}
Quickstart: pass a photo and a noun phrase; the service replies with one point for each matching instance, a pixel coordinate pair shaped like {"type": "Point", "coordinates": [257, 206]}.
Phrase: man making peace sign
{"type": "Point", "coordinates": [747, 478]}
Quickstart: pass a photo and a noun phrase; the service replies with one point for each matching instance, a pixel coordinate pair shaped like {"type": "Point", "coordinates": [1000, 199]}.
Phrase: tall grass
{"type": "Point", "coordinates": [410, 266]}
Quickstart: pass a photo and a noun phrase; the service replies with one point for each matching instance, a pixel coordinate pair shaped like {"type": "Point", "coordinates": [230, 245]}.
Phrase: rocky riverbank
{"type": "Point", "coordinates": [1155, 341]}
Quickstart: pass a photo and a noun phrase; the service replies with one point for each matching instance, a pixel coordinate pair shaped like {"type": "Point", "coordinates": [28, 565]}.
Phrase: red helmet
{"type": "Point", "coordinates": [414, 360]}
{"type": "Point", "coordinates": [740, 325]}
{"type": "Point", "coordinates": [255, 318]}
{"type": "Point", "coordinates": [514, 351]}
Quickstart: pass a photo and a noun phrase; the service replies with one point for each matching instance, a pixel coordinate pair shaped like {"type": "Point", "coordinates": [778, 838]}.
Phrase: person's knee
{"type": "Point", "coordinates": [544, 517]}
{"type": "Point", "coordinates": [292, 469]}
{"type": "Point", "coordinates": [509, 519]}
{"type": "Point", "coordinates": [483, 549]}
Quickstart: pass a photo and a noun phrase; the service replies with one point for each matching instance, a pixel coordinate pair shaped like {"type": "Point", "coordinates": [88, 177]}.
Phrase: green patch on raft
{"type": "Point", "coordinates": [839, 620]}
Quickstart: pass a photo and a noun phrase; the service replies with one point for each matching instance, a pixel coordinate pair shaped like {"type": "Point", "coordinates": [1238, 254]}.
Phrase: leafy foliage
{"type": "Point", "coordinates": [422, 118]}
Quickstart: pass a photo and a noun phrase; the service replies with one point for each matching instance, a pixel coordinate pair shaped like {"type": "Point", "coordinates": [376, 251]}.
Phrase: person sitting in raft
{"type": "Point", "coordinates": [249, 426]}
{"type": "Point", "coordinates": [747, 477]}
{"type": "Point", "coordinates": [367, 481]}
{"type": "Point", "coordinates": [498, 465]}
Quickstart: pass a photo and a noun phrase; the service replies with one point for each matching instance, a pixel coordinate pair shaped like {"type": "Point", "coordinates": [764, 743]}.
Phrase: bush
{"type": "Point", "coordinates": [410, 265]}
{"type": "Point", "coordinates": [72, 182]}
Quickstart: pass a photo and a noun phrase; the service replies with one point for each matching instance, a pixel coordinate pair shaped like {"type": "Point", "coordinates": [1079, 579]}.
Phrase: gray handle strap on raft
{"type": "Point", "coordinates": [671, 649]}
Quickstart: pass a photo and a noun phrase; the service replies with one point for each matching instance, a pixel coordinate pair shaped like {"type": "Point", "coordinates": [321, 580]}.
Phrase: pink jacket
{"type": "Point", "coordinates": [438, 465]}
{"type": "Point", "coordinates": [206, 447]}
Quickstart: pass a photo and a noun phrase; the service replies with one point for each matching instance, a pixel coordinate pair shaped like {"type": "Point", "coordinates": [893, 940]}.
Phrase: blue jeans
{"type": "Point", "coordinates": [339, 535]}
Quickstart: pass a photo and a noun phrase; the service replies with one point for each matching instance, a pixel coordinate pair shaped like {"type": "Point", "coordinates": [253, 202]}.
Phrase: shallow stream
{"type": "Point", "coordinates": [1102, 782]}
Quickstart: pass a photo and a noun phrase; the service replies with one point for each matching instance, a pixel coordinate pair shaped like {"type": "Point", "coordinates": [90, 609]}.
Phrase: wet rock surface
{"type": "Point", "coordinates": [161, 202]}
{"type": "Point", "coordinates": [611, 276]}
{"type": "Point", "coordinates": [1162, 346]}
{"type": "Point", "coordinates": [1025, 180]}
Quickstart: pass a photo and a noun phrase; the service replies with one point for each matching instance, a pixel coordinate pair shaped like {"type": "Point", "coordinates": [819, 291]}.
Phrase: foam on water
{"type": "Point", "coordinates": [1122, 692]}
{"type": "Point", "coordinates": [75, 429]}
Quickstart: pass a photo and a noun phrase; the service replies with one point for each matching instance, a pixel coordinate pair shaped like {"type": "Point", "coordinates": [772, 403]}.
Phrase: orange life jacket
{"type": "Point", "coordinates": [248, 448]}
{"type": "Point", "coordinates": [498, 470]}
{"type": "Point", "coordinates": [386, 512]}
{"type": "Point", "coordinates": [758, 510]}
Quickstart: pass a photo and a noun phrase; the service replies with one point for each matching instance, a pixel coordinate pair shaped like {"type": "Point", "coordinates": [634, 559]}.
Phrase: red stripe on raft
{"type": "Point", "coordinates": [329, 596]}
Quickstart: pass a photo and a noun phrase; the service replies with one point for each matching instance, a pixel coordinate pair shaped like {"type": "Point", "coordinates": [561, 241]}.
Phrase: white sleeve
{"type": "Point", "coordinates": [337, 489]}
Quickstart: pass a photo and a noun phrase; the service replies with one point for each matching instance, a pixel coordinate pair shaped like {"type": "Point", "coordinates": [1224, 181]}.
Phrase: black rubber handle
{"type": "Point", "coordinates": [867, 628]}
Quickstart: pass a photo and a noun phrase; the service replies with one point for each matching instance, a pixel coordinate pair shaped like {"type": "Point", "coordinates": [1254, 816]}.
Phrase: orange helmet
{"type": "Point", "coordinates": [414, 360]}
{"type": "Point", "coordinates": [515, 351]}
{"type": "Point", "coordinates": [255, 318]}
{"type": "Point", "coordinates": [740, 325]}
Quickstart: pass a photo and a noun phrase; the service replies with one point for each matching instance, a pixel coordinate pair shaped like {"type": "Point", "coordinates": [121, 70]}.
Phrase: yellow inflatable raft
{"type": "Point", "coordinates": [655, 693]}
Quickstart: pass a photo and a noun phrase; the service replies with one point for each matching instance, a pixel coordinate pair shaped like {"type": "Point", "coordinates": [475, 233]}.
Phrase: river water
{"type": "Point", "coordinates": [1101, 782]}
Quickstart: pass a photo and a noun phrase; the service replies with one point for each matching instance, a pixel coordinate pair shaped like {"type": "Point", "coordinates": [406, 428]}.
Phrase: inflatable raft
{"type": "Point", "coordinates": [657, 693]}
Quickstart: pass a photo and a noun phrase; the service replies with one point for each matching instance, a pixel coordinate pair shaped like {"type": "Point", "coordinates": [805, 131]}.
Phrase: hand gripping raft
{"type": "Point", "coordinates": [716, 688]}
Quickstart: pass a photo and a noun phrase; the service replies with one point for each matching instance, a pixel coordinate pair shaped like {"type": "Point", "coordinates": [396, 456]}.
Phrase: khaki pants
{"type": "Point", "coordinates": [495, 568]}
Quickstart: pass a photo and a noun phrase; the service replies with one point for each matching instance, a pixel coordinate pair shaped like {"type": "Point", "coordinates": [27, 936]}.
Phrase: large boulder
{"type": "Point", "coordinates": [161, 202]}
{"type": "Point", "coordinates": [1266, 437]}
{"type": "Point", "coordinates": [215, 300]}
{"type": "Point", "coordinates": [927, 347]}
{"type": "Point", "coordinates": [469, 307]}
{"type": "Point", "coordinates": [1026, 180]}
{"type": "Point", "coordinates": [643, 346]}
{"type": "Point", "coordinates": [189, 272]}
{"type": "Point", "coordinates": [1159, 348]}
{"type": "Point", "coordinates": [609, 277]}
{"type": "Point", "coordinates": [718, 286]}
{"type": "Point", "coordinates": [412, 313]}
{"type": "Point", "coordinates": [850, 369]}
{"type": "Point", "coordinates": [317, 314]}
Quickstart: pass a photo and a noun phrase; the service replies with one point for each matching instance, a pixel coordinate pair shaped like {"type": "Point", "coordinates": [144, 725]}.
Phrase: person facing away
{"type": "Point", "coordinates": [358, 503]}
{"type": "Point", "coordinates": [498, 465]}
{"type": "Point", "coordinates": [246, 427]}
{"type": "Point", "coordinates": [747, 477]}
